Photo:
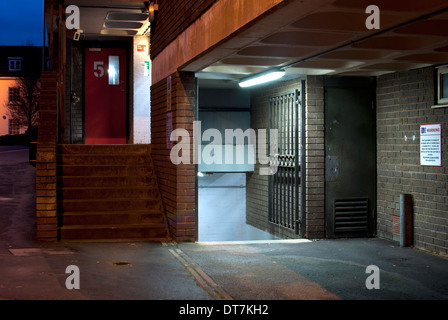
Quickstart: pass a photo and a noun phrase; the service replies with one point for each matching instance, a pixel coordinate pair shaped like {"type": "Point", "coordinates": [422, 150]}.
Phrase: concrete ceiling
{"type": "Point", "coordinates": [321, 37]}
{"type": "Point", "coordinates": [308, 37]}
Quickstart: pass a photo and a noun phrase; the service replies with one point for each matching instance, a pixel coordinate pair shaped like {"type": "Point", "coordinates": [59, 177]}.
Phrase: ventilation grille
{"type": "Point", "coordinates": [351, 215]}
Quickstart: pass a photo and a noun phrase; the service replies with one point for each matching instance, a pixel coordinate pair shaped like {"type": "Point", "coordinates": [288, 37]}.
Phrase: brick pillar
{"type": "Point", "coordinates": [46, 204]}
{"type": "Point", "coordinates": [177, 183]}
{"type": "Point", "coordinates": [315, 158]}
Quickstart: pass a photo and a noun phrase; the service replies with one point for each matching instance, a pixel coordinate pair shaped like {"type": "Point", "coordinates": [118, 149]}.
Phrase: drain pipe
{"type": "Point", "coordinates": [406, 220]}
{"type": "Point", "coordinates": [303, 217]}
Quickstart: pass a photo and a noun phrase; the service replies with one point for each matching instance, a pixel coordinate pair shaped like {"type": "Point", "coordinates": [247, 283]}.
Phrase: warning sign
{"type": "Point", "coordinates": [431, 145]}
{"type": "Point", "coordinates": [141, 48]}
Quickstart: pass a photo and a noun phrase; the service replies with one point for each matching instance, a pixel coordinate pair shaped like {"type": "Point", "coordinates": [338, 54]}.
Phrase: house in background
{"type": "Point", "coordinates": [352, 113]}
{"type": "Point", "coordinates": [15, 61]}
{"type": "Point", "coordinates": [8, 91]}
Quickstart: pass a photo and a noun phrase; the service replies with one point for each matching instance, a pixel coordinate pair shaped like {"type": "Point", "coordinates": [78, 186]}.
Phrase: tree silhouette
{"type": "Point", "coordinates": [24, 107]}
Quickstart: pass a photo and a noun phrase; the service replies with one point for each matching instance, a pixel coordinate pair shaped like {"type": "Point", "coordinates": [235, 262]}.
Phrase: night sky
{"type": "Point", "coordinates": [21, 21]}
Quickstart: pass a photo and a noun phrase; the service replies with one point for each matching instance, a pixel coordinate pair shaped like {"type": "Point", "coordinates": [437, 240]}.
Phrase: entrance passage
{"type": "Point", "coordinates": [284, 186]}
{"type": "Point", "coordinates": [105, 96]}
{"type": "Point", "coordinates": [222, 209]}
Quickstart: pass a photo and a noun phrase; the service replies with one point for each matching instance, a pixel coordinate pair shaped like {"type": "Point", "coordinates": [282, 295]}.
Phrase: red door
{"type": "Point", "coordinates": [105, 96]}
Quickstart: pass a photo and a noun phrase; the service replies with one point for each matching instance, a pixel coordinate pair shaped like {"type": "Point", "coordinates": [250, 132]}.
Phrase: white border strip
{"type": "Point", "coordinates": [223, 243]}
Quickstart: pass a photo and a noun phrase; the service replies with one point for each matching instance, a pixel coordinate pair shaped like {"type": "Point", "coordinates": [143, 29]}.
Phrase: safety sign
{"type": "Point", "coordinates": [431, 145]}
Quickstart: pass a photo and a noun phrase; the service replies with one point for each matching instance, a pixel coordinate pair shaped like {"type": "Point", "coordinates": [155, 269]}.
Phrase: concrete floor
{"type": "Point", "coordinates": [191, 273]}
{"type": "Point", "coordinates": [322, 270]}
{"type": "Point", "coordinates": [222, 210]}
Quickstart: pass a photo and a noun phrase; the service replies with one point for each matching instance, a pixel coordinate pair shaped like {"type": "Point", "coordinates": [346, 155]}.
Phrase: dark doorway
{"type": "Point", "coordinates": [350, 135]}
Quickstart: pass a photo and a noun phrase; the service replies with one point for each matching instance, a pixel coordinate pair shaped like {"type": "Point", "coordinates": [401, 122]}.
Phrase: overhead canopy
{"type": "Point", "coordinates": [104, 19]}
{"type": "Point", "coordinates": [322, 37]}
{"type": "Point", "coordinates": [309, 37]}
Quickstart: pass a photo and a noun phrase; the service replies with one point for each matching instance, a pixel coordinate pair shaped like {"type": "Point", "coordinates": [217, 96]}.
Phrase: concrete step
{"type": "Point", "coordinates": [109, 193]}
{"type": "Point", "coordinates": [103, 205]}
{"type": "Point", "coordinates": [141, 232]}
{"type": "Point", "coordinates": [103, 159]}
{"type": "Point", "coordinates": [104, 149]}
{"type": "Point", "coordinates": [105, 171]}
{"type": "Point", "coordinates": [112, 182]}
{"type": "Point", "coordinates": [88, 193]}
{"type": "Point", "coordinates": [136, 217]}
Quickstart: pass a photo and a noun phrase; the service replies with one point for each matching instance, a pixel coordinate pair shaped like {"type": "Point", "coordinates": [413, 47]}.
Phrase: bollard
{"type": "Point", "coordinates": [406, 220]}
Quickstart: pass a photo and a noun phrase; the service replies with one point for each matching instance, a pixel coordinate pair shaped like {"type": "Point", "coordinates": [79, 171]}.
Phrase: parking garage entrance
{"type": "Point", "coordinates": [244, 200]}
{"type": "Point", "coordinates": [222, 185]}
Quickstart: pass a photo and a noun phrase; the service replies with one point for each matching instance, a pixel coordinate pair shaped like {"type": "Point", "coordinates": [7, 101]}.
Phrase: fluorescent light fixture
{"type": "Point", "coordinates": [263, 77]}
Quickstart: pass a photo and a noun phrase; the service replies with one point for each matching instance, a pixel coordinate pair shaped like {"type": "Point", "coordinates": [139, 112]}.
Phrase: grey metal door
{"type": "Point", "coordinates": [350, 135]}
{"type": "Point", "coordinates": [284, 186]}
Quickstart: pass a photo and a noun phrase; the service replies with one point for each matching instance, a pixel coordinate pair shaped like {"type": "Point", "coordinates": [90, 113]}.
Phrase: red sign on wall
{"type": "Point", "coordinates": [141, 48]}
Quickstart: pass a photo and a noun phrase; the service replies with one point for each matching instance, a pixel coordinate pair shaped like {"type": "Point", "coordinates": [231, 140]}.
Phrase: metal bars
{"type": "Point", "coordinates": [284, 200]}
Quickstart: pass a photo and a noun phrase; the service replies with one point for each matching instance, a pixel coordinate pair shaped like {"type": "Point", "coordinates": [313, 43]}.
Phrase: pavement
{"type": "Point", "coordinates": [270, 270]}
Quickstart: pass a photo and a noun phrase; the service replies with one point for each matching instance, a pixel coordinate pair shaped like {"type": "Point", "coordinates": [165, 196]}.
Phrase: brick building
{"type": "Point", "coordinates": [352, 113]}
{"type": "Point", "coordinates": [15, 61]}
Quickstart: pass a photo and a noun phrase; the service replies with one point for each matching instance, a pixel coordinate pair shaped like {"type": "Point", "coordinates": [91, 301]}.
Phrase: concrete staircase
{"type": "Point", "coordinates": [109, 193]}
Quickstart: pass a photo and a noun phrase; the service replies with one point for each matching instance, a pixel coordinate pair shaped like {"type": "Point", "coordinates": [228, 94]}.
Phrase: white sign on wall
{"type": "Point", "coordinates": [431, 145]}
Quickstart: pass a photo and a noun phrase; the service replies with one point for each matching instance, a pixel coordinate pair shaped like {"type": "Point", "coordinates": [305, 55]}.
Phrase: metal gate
{"type": "Point", "coordinates": [285, 190]}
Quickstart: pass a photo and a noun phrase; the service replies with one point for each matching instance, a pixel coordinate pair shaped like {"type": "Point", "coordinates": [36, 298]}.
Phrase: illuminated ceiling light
{"type": "Point", "coordinates": [263, 77]}
{"type": "Point", "coordinates": [152, 8]}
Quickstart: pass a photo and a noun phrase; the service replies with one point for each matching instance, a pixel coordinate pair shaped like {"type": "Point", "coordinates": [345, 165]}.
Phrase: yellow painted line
{"type": "Point", "coordinates": [201, 277]}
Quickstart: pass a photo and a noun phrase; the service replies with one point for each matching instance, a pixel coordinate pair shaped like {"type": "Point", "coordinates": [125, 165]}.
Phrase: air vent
{"type": "Point", "coordinates": [123, 25]}
{"type": "Point", "coordinates": [351, 215]}
{"type": "Point", "coordinates": [118, 32]}
{"type": "Point", "coordinates": [126, 16]}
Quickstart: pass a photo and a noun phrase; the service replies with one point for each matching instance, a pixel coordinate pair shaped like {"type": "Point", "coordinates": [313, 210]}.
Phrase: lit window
{"type": "Point", "coordinates": [15, 64]}
{"type": "Point", "coordinates": [13, 126]}
{"type": "Point", "coordinates": [114, 70]}
{"type": "Point", "coordinates": [442, 89]}
{"type": "Point", "coordinates": [13, 94]}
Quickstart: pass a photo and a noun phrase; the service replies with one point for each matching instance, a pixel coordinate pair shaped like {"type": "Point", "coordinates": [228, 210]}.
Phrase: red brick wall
{"type": "Point", "coordinates": [404, 102]}
{"type": "Point", "coordinates": [177, 183]}
{"type": "Point", "coordinates": [173, 18]}
{"type": "Point", "coordinates": [315, 157]}
{"type": "Point", "coordinates": [46, 204]}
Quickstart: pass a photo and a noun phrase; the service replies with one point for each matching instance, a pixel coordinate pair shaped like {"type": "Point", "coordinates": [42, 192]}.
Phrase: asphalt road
{"type": "Point", "coordinates": [17, 197]}
{"type": "Point", "coordinates": [197, 272]}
